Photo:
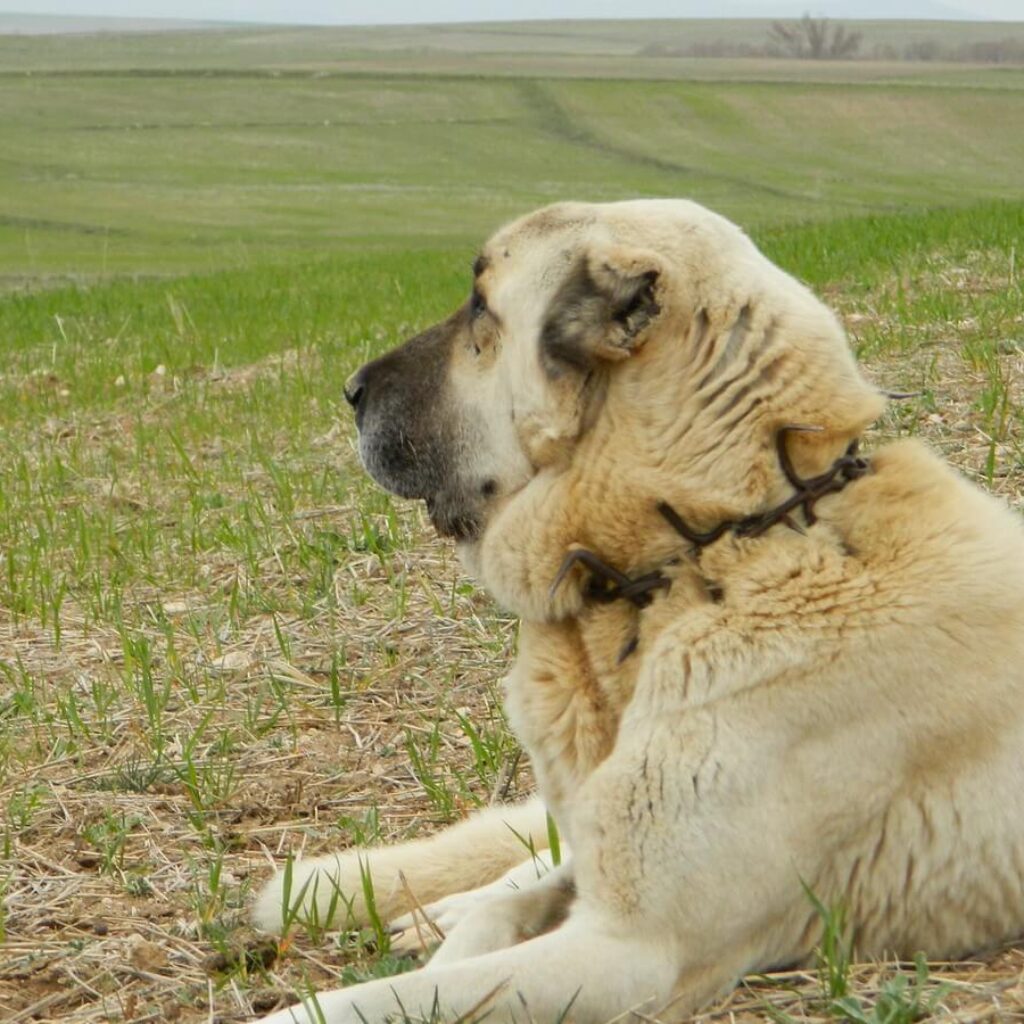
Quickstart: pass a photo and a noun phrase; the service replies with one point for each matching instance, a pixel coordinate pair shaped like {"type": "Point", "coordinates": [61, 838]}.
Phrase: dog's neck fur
{"type": "Point", "coordinates": [691, 420]}
{"type": "Point", "coordinates": [684, 447]}
{"type": "Point", "coordinates": [570, 684]}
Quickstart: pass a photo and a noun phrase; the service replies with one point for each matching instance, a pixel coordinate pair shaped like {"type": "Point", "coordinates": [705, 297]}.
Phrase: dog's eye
{"type": "Point", "coordinates": [477, 305]}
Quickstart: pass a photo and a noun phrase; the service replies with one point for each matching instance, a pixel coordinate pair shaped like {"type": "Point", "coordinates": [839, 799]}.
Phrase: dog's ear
{"type": "Point", "coordinates": [602, 310]}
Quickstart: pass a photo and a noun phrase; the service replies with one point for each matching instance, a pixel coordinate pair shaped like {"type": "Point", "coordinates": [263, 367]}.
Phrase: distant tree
{"type": "Point", "coordinates": [923, 49]}
{"type": "Point", "coordinates": [814, 39]}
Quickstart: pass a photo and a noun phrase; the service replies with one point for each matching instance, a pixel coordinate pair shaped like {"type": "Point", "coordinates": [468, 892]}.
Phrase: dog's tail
{"type": "Point", "coordinates": [349, 889]}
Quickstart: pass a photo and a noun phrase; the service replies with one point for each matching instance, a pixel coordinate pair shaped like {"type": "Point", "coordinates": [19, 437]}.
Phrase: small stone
{"type": "Point", "coordinates": [147, 956]}
{"type": "Point", "coordinates": [233, 661]}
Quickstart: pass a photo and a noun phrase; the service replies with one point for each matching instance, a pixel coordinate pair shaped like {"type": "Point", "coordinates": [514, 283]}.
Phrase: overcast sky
{"type": "Point", "coordinates": [340, 12]}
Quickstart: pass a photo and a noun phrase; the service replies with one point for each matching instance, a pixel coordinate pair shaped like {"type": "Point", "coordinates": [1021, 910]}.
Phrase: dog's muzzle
{"type": "Point", "coordinates": [412, 440]}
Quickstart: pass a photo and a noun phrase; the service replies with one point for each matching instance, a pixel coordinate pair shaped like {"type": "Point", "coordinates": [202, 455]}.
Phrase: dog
{"type": "Point", "coordinates": [753, 665]}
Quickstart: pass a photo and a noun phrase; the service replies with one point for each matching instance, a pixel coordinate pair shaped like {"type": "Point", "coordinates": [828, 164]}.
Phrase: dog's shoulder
{"type": "Point", "coordinates": [910, 562]}
{"type": "Point", "coordinates": [916, 513]}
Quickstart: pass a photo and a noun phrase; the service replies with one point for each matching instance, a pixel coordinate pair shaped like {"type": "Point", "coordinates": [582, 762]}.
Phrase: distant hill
{"type": "Point", "coordinates": [853, 10]}
{"type": "Point", "coordinates": [60, 24]}
{"type": "Point", "coordinates": [850, 10]}
{"type": "Point", "coordinates": [630, 48]}
{"type": "Point", "coordinates": [464, 12]}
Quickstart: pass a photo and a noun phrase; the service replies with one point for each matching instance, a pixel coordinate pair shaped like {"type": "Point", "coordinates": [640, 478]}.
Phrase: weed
{"type": "Point", "coordinates": [834, 951]}
{"type": "Point", "coordinates": [430, 769]}
{"type": "Point", "coordinates": [384, 966]}
{"type": "Point", "coordinates": [309, 915]}
{"type": "Point", "coordinates": [364, 831]}
{"type": "Point", "coordinates": [136, 775]}
{"type": "Point", "coordinates": [901, 999]}
{"type": "Point", "coordinates": [109, 837]}
{"type": "Point", "coordinates": [22, 806]}
{"type": "Point", "coordinates": [554, 842]}
{"type": "Point", "coordinates": [137, 885]}
{"type": "Point", "coordinates": [5, 884]}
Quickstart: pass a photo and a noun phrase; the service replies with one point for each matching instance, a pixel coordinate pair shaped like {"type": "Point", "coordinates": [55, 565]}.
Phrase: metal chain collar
{"type": "Point", "coordinates": [607, 584]}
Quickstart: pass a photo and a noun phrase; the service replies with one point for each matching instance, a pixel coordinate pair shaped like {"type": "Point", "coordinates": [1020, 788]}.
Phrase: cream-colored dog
{"type": "Point", "coordinates": [751, 663]}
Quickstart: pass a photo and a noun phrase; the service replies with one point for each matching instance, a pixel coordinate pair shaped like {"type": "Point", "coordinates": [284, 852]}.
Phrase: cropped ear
{"type": "Point", "coordinates": [602, 310]}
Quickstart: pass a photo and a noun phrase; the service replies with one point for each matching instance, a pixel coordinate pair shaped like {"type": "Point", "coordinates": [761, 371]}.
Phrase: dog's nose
{"type": "Point", "coordinates": [355, 388]}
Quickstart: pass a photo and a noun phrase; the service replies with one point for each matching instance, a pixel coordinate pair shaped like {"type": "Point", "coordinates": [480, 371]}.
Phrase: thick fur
{"type": "Point", "coordinates": [839, 709]}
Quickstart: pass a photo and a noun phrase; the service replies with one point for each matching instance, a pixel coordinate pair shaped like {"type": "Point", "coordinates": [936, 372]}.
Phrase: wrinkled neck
{"type": "Point", "coordinates": [609, 508]}
{"type": "Point", "coordinates": [692, 422]}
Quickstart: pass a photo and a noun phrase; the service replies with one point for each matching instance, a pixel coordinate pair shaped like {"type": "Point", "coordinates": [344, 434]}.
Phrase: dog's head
{"type": "Point", "coordinates": [466, 413]}
{"type": "Point", "coordinates": [622, 348]}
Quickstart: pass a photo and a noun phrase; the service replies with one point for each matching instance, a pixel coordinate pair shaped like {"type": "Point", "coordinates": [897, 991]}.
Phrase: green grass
{"type": "Point", "coordinates": [195, 152]}
{"type": "Point", "coordinates": [893, 996]}
{"type": "Point", "coordinates": [860, 252]}
{"type": "Point", "coordinates": [130, 386]}
{"type": "Point", "coordinates": [219, 642]}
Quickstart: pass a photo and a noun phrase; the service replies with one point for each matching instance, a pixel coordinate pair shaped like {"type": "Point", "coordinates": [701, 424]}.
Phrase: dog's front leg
{"type": "Point", "coordinates": [331, 889]}
{"type": "Point", "coordinates": [587, 966]}
{"type": "Point", "coordinates": [427, 926]}
{"type": "Point", "coordinates": [509, 918]}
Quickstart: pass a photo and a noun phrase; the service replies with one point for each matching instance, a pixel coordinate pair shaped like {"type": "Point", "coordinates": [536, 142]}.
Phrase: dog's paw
{"type": "Point", "coordinates": [458, 927]}
{"type": "Point", "coordinates": [423, 928]}
{"type": "Point", "coordinates": [318, 891]}
{"type": "Point", "coordinates": [483, 926]}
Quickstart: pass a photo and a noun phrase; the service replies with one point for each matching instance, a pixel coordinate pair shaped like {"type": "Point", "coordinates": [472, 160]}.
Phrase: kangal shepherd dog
{"type": "Point", "coordinates": [752, 662]}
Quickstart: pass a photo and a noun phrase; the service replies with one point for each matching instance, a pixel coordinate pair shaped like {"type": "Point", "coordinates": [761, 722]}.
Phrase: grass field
{"type": "Point", "coordinates": [252, 149]}
{"type": "Point", "coordinates": [219, 643]}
